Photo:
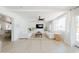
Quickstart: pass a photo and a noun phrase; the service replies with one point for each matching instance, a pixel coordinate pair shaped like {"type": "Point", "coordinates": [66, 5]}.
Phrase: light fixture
{"type": "Point", "coordinates": [40, 19]}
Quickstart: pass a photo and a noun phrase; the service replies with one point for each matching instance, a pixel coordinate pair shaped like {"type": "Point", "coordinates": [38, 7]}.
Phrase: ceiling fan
{"type": "Point", "coordinates": [39, 19]}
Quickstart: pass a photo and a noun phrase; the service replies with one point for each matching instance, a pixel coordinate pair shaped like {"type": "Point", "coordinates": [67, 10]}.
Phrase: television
{"type": "Point", "coordinates": [39, 26]}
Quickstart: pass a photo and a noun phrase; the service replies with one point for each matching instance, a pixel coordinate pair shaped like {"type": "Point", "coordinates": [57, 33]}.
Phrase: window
{"type": "Point", "coordinates": [59, 24]}
{"type": "Point", "coordinates": [77, 28]}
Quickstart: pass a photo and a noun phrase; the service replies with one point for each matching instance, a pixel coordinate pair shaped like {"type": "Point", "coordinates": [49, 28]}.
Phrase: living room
{"type": "Point", "coordinates": [42, 25]}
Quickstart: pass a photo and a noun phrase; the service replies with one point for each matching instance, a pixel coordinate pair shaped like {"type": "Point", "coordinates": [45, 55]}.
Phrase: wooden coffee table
{"type": "Point", "coordinates": [38, 34]}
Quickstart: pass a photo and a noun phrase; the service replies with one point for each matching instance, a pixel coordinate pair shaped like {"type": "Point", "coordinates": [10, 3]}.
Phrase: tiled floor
{"type": "Point", "coordinates": [37, 45]}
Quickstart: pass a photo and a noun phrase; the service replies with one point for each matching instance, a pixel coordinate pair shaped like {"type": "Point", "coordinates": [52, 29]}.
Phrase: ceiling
{"type": "Point", "coordinates": [38, 8]}
{"type": "Point", "coordinates": [32, 12]}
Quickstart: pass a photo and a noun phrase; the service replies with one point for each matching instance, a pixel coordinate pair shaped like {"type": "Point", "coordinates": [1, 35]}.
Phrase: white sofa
{"type": "Point", "coordinates": [50, 34]}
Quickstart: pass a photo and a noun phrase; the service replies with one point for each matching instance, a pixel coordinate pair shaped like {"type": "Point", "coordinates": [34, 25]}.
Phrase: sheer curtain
{"type": "Point", "coordinates": [59, 24]}
{"type": "Point", "coordinates": [77, 28]}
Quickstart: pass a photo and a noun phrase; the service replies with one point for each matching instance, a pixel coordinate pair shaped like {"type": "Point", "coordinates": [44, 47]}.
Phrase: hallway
{"type": "Point", "coordinates": [37, 45]}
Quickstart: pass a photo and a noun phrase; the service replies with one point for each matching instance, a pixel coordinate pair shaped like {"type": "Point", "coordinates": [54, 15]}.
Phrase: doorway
{"type": "Point", "coordinates": [5, 27]}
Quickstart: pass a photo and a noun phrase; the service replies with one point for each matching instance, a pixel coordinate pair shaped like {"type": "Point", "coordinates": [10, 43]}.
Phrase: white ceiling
{"type": "Point", "coordinates": [38, 8]}
{"type": "Point", "coordinates": [32, 12]}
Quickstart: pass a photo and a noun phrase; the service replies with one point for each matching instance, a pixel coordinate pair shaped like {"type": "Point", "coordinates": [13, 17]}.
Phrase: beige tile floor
{"type": "Point", "coordinates": [36, 45]}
